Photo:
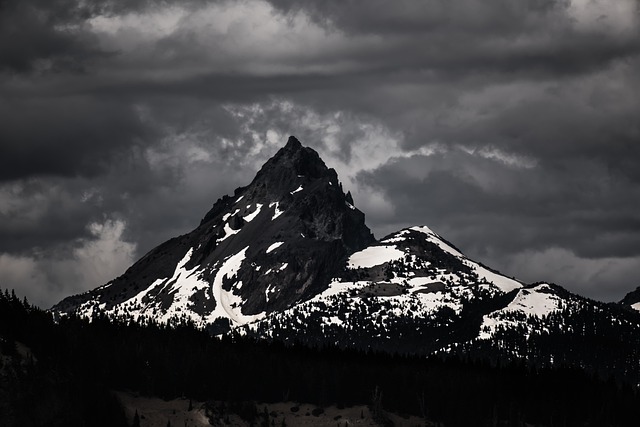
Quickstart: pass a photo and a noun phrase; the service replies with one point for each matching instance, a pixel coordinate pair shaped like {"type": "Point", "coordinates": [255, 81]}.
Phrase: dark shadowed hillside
{"type": "Point", "coordinates": [73, 365]}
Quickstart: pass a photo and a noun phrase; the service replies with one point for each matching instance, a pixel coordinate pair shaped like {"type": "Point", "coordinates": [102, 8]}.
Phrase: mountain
{"type": "Point", "coordinates": [290, 258]}
{"type": "Point", "coordinates": [275, 242]}
{"type": "Point", "coordinates": [632, 299]}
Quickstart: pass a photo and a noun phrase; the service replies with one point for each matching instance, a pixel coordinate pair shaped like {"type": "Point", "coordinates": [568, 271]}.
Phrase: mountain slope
{"type": "Point", "coordinates": [405, 292]}
{"type": "Point", "coordinates": [275, 242]}
{"type": "Point", "coordinates": [632, 299]}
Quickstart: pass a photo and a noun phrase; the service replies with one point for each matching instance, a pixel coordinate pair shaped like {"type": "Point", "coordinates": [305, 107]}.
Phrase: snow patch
{"type": "Point", "coordinates": [636, 306]}
{"type": "Point", "coordinates": [334, 320]}
{"type": "Point", "coordinates": [229, 304]}
{"type": "Point", "coordinates": [274, 246]}
{"type": "Point", "coordinates": [228, 232]}
{"type": "Point", "coordinates": [277, 212]}
{"type": "Point", "coordinates": [270, 290]}
{"type": "Point", "coordinates": [535, 301]}
{"type": "Point", "coordinates": [255, 213]}
{"type": "Point", "coordinates": [296, 190]}
{"type": "Point", "coordinates": [393, 240]}
{"type": "Point", "coordinates": [374, 255]}
{"type": "Point", "coordinates": [228, 215]}
{"type": "Point", "coordinates": [504, 283]}
{"type": "Point", "coordinates": [397, 237]}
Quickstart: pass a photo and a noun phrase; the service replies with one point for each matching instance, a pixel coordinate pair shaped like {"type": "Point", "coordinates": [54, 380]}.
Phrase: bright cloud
{"type": "Point", "coordinates": [50, 275]}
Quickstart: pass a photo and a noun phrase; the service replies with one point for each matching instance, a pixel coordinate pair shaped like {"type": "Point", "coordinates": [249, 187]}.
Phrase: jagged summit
{"type": "Point", "coordinates": [298, 183]}
{"type": "Point", "coordinates": [291, 162]}
{"type": "Point", "coordinates": [293, 143]}
{"type": "Point", "coordinates": [289, 169]}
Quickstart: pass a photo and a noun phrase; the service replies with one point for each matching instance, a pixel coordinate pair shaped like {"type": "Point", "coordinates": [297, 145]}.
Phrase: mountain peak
{"type": "Point", "coordinates": [289, 165]}
{"type": "Point", "coordinates": [275, 242]}
{"type": "Point", "coordinates": [293, 144]}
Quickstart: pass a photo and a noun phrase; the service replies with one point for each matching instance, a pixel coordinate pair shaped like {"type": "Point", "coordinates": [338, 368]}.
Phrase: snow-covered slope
{"type": "Point", "coordinates": [538, 301]}
{"type": "Point", "coordinates": [408, 278]}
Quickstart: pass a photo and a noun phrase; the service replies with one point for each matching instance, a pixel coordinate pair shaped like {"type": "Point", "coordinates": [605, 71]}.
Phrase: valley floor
{"type": "Point", "coordinates": [156, 412]}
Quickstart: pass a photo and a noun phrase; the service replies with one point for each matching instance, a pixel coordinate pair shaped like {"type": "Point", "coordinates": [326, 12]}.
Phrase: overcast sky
{"type": "Point", "coordinates": [510, 127]}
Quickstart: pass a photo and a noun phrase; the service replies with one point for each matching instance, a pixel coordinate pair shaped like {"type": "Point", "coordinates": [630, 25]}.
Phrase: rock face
{"type": "Point", "coordinates": [275, 242]}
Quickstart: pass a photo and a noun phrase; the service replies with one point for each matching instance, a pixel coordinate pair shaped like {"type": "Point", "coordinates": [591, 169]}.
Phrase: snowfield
{"type": "Point", "coordinates": [374, 255]}
{"type": "Point", "coordinates": [536, 302]}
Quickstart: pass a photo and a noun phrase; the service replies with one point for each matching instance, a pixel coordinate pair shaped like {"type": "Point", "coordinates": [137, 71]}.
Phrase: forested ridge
{"type": "Point", "coordinates": [63, 374]}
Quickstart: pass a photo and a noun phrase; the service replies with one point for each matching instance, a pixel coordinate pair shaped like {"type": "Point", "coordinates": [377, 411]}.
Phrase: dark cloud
{"type": "Point", "coordinates": [534, 207]}
{"type": "Point", "coordinates": [423, 17]}
{"type": "Point", "coordinates": [463, 37]}
{"type": "Point", "coordinates": [509, 127]}
{"type": "Point", "coordinates": [75, 135]}
{"type": "Point", "coordinates": [43, 36]}
{"type": "Point", "coordinates": [500, 212]}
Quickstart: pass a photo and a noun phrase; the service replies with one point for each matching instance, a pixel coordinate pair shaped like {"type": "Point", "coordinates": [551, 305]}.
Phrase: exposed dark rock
{"type": "Point", "coordinates": [632, 297]}
{"type": "Point", "coordinates": [295, 199]}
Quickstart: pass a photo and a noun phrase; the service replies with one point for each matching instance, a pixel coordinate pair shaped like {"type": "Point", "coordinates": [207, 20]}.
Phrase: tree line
{"type": "Point", "coordinates": [62, 373]}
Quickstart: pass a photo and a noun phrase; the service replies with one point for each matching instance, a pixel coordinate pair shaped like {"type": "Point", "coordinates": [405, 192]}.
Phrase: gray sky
{"type": "Point", "coordinates": [509, 127]}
